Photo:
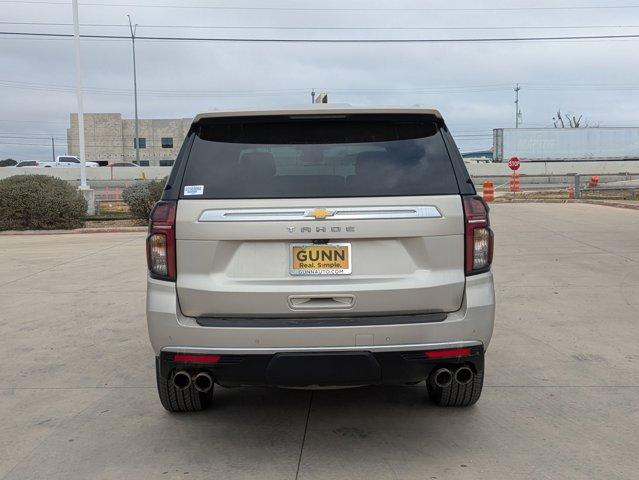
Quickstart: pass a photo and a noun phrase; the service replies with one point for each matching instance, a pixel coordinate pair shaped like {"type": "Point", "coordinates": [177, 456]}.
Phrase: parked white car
{"type": "Point", "coordinates": [66, 161]}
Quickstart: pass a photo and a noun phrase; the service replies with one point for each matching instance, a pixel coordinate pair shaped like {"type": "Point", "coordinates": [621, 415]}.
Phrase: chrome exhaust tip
{"type": "Point", "coordinates": [442, 377]}
{"type": "Point", "coordinates": [463, 375]}
{"type": "Point", "coordinates": [203, 382]}
{"type": "Point", "coordinates": [182, 380]}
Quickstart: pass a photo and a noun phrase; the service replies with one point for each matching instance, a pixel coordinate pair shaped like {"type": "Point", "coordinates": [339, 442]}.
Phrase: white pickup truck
{"type": "Point", "coordinates": [66, 161]}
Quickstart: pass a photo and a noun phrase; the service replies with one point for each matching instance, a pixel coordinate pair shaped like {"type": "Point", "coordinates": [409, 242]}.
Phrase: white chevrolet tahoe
{"type": "Point", "coordinates": [319, 247]}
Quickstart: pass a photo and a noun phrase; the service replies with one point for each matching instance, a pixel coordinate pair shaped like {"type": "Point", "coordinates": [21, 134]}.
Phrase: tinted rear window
{"type": "Point", "coordinates": [318, 158]}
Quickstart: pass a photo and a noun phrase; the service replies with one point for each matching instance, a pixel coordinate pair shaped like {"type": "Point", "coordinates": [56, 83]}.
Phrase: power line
{"type": "Point", "coordinates": [327, 40]}
{"type": "Point", "coordinates": [151, 93]}
{"type": "Point", "coordinates": [492, 85]}
{"type": "Point", "coordinates": [271, 27]}
{"type": "Point", "coordinates": [430, 90]}
{"type": "Point", "coordinates": [267, 92]}
{"type": "Point", "coordinates": [33, 137]}
{"type": "Point", "coordinates": [48, 145]}
{"type": "Point", "coordinates": [336, 9]}
{"type": "Point", "coordinates": [11, 120]}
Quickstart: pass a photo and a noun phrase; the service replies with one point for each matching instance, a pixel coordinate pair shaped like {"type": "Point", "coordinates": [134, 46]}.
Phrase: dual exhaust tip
{"type": "Point", "coordinates": [443, 377]}
{"type": "Point", "coordinates": [202, 382]}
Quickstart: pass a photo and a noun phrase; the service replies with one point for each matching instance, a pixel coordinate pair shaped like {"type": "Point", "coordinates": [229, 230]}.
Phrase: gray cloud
{"type": "Point", "coordinates": [399, 74]}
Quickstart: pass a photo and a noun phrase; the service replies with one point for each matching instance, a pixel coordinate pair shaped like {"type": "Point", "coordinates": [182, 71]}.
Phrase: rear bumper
{"type": "Point", "coordinates": [322, 369]}
{"type": "Point", "coordinates": [170, 331]}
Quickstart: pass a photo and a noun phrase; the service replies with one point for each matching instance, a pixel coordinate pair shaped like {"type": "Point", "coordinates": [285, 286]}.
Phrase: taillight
{"type": "Point", "coordinates": [479, 237]}
{"type": "Point", "coordinates": [160, 244]}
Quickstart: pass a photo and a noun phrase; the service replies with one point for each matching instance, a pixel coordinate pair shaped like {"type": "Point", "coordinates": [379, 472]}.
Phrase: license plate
{"type": "Point", "coordinates": [329, 259]}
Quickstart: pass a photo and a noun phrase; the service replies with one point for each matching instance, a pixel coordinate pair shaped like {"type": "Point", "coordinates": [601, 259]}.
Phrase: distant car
{"type": "Point", "coordinates": [486, 155]}
{"type": "Point", "coordinates": [28, 163]}
{"type": "Point", "coordinates": [66, 161]}
{"type": "Point", "coordinates": [123, 164]}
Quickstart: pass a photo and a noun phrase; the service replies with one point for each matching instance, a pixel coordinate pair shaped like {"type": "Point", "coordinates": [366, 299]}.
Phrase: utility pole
{"type": "Point", "coordinates": [313, 96]}
{"type": "Point", "coordinates": [517, 111]}
{"type": "Point", "coordinates": [52, 149]}
{"type": "Point", "coordinates": [78, 90]}
{"type": "Point", "coordinates": [135, 93]}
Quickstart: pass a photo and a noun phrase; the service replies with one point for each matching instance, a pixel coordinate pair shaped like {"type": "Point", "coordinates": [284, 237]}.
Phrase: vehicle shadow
{"type": "Point", "coordinates": [356, 432]}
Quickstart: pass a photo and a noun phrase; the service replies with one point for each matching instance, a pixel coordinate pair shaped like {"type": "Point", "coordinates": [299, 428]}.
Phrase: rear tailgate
{"type": "Point", "coordinates": [257, 192]}
{"type": "Point", "coordinates": [242, 268]}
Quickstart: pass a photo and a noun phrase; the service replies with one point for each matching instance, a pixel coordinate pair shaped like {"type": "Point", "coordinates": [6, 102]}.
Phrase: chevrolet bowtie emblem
{"type": "Point", "coordinates": [320, 213]}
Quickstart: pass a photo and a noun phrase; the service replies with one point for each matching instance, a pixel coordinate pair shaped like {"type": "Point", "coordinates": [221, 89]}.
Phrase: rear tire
{"type": "Point", "coordinates": [175, 400]}
{"type": "Point", "coordinates": [456, 394]}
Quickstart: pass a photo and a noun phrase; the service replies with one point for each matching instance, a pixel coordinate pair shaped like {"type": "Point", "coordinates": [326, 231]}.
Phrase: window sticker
{"type": "Point", "coordinates": [193, 190]}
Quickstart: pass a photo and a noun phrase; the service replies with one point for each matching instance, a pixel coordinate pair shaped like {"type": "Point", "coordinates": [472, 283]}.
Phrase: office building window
{"type": "Point", "coordinates": [167, 142]}
{"type": "Point", "coordinates": [166, 162]}
{"type": "Point", "coordinates": [142, 142]}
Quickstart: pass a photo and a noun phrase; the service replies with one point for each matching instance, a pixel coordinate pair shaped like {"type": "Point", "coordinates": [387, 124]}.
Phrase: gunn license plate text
{"type": "Point", "coordinates": [329, 259]}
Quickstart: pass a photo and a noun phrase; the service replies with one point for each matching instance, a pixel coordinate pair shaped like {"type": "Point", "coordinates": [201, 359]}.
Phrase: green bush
{"type": "Point", "coordinates": [8, 162]}
{"type": "Point", "coordinates": [141, 197]}
{"type": "Point", "coordinates": [40, 202]}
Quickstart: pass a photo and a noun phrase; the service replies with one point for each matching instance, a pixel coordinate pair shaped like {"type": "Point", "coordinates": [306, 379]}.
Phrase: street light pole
{"type": "Point", "coordinates": [136, 142]}
{"type": "Point", "coordinates": [52, 150]}
{"type": "Point", "coordinates": [78, 89]}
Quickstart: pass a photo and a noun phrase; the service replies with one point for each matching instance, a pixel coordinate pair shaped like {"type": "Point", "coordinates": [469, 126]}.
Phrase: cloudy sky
{"type": "Point", "coordinates": [471, 83]}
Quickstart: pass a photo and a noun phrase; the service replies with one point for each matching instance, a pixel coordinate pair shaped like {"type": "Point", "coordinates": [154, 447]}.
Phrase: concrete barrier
{"type": "Point", "coordinates": [480, 169]}
{"type": "Point", "coordinates": [93, 173]}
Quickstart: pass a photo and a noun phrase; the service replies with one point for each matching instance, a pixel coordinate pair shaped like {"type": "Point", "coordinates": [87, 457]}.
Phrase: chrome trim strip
{"type": "Point", "coordinates": [334, 213]}
{"type": "Point", "coordinates": [368, 348]}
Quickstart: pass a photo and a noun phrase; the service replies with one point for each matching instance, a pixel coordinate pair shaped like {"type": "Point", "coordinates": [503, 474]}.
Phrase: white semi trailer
{"type": "Point", "coordinates": [565, 144]}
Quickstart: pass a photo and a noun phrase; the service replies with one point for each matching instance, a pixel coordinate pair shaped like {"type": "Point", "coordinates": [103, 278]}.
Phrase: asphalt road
{"type": "Point", "coordinates": [561, 400]}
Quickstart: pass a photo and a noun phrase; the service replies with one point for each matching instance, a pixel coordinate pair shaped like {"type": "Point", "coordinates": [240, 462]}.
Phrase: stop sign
{"type": "Point", "coordinates": [513, 163]}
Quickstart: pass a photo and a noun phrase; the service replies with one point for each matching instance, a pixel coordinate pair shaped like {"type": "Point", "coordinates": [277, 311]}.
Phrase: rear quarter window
{"type": "Point", "coordinates": [288, 158]}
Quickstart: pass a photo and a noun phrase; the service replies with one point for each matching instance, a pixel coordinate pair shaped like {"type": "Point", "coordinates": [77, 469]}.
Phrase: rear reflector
{"type": "Point", "coordinates": [448, 353]}
{"type": "Point", "coordinates": [185, 358]}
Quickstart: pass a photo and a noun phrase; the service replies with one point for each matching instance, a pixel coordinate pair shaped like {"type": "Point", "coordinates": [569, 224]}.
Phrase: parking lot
{"type": "Point", "coordinates": [561, 400]}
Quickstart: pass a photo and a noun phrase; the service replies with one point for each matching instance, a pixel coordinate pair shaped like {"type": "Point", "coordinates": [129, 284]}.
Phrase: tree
{"type": "Point", "coordinates": [572, 120]}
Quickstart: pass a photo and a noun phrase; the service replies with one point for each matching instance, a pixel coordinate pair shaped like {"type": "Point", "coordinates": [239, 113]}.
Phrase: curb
{"type": "Point", "coordinates": [76, 231]}
{"type": "Point", "coordinates": [627, 206]}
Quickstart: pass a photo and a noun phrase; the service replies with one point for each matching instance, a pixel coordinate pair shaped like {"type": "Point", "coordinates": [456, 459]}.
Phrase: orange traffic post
{"type": "Point", "coordinates": [514, 183]}
{"type": "Point", "coordinates": [488, 191]}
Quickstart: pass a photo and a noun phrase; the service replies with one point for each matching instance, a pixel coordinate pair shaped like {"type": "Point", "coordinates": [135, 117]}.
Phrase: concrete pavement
{"type": "Point", "coordinates": [561, 400]}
